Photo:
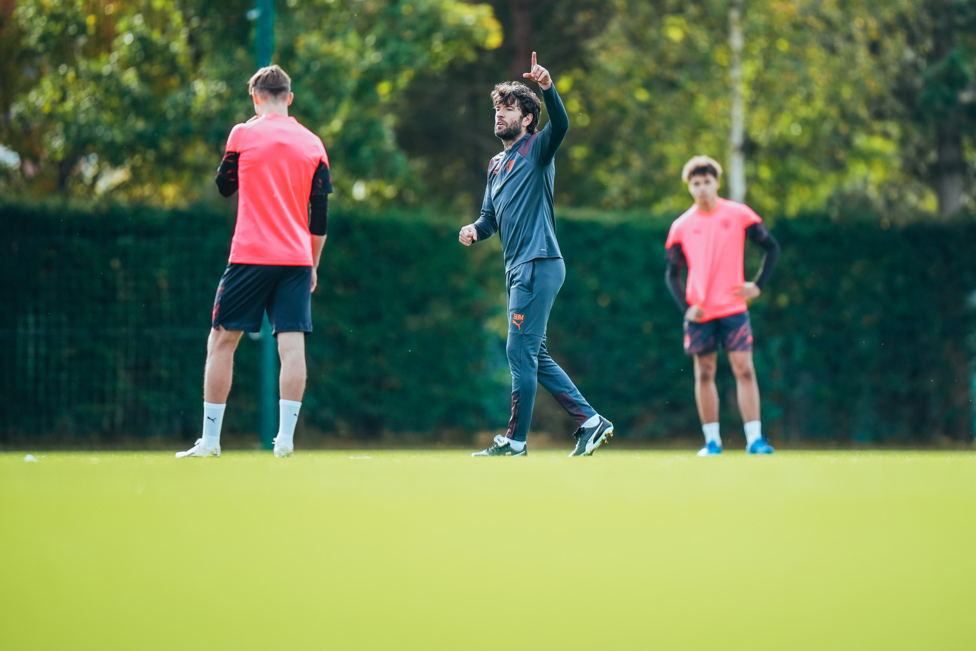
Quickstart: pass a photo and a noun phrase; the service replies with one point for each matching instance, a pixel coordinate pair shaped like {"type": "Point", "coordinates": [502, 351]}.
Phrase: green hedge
{"type": "Point", "coordinates": [863, 334]}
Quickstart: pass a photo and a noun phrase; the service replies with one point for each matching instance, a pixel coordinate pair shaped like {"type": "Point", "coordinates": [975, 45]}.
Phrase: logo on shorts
{"type": "Point", "coordinates": [517, 320]}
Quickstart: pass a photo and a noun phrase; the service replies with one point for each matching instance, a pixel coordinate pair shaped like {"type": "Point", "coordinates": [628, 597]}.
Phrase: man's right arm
{"type": "Point", "coordinates": [227, 180]}
{"type": "Point", "coordinates": [675, 258]}
{"type": "Point", "coordinates": [227, 174]}
{"type": "Point", "coordinates": [486, 225]}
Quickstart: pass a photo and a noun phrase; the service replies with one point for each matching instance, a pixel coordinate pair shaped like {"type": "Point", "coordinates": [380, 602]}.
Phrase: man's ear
{"type": "Point", "coordinates": [527, 120]}
{"type": "Point", "coordinates": [291, 97]}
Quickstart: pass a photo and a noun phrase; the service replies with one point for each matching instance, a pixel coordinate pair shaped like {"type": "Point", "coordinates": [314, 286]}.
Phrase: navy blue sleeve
{"type": "Point", "coordinates": [227, 174]}
{"type": "Point", "coordinates": [759, 234]}
{"type": "Point", "coordinates": [318, 221]}
{"type": "Point", "coordinates": [486, 224]}
{"type": "Point", "coordinates": [675, 257]}
{"type": "Point", "coordinates": [547, 143]}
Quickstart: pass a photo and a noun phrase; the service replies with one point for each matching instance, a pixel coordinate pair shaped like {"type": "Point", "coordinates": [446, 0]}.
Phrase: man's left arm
{"type": "Point", "coordinates": [554, 132]}
{"type": "Point", "coordinates": [759, 234]}
{"type": "Point", "coordinates": [318, 220]}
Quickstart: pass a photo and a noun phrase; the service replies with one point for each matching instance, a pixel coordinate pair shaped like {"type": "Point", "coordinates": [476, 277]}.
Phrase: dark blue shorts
{"type": "Point", "coordinates": [246, 291]}
{"type": "Point", "coordinates": [733, 331]}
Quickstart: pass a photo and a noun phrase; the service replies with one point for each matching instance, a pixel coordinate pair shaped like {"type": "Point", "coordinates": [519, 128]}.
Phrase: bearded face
{"type": "Point", "coordinates": [508, 122]}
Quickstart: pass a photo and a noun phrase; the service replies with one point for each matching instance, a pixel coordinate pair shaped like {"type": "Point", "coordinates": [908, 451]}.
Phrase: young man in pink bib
{"type": "Point", "coordinates": [280, 172]}
{"type": "Point", "coordinates": [710, 239]}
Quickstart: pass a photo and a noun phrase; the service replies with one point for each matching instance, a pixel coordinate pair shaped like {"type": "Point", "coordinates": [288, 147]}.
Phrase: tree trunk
{"type": "Point", "coordinates": [950, 166]}
{"type": "Point", "coordinates": [737, 160]}
{"type": "Point", "coordinates": [522, 23]}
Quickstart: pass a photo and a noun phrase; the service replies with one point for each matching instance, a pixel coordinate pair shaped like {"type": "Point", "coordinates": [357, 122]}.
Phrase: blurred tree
{"type": "Point", "coordinates": [659, 91]}
{"type": "Point", "coordinates": [647, 84]}
{"type": "Point", "coordinates": [928, 50]}
{"type": "Point", "coordinates": [446, 122]}
{"type": "Point", "coordinates": [843, 100]}
{"type": "Point", "coordinates": [353, 63]}
{"type": "Point", "coordinates": [137, 97]}
{"type": "Point", "coordinates": [736, 168]}
{"type": "Point", "coordinates": [522, 31]}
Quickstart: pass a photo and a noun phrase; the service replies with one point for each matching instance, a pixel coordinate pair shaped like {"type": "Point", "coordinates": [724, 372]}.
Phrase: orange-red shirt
{"type": "Point", "coordinates": [713, 244]}
{"type": "Point", "coordinates": [278, 158]}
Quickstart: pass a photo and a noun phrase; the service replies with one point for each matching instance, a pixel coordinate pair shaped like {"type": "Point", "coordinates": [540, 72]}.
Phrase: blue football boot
{"type": "Point", "coordinates": [710, 450]}
{"type": "Point", "coordinates": [760, 446]}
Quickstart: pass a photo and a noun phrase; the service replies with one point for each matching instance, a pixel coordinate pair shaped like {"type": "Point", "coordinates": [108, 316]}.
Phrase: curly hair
{"type": "Point", "coordinates": [515, 93]}
{"type": "Point", "coordinates": [270, 81]}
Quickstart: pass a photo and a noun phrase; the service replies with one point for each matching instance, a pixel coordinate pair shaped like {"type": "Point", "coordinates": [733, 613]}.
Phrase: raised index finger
{"type": "Point", "coordinates": [533, 60]}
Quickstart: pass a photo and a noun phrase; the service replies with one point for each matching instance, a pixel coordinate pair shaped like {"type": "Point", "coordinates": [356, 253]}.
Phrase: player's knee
{"type": "Point", "coordinates": [744, 372]}
{"type": "Point", "coordinates": [705, 373]}
{"type": "Point", "coordinates": [224, 340]}
{"type": "Point", "coordinates": [291, 346]}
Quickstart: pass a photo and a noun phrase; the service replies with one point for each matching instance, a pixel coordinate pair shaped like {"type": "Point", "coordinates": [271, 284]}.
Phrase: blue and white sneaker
{"type": "Point", "coordinates": [712, 449]}
{"type": "Point", "coordinates": [760, 446]}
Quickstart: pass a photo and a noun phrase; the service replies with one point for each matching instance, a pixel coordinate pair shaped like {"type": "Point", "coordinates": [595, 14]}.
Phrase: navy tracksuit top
{"type": "Point", "coordinates": [518, 200]}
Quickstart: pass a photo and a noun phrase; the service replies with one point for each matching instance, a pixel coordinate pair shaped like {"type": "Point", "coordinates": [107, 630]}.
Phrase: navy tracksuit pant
{"type": "Point", "coordinates": [531, 289]}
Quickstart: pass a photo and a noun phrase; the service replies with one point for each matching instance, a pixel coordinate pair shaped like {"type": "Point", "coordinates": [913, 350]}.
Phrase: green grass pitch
{"type": "Point", "coordinates": [435, 550]}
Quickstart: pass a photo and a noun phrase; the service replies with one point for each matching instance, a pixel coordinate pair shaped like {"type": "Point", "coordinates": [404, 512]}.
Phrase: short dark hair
{"type": "Point", "coordinates": [701, 166]}
{"type": "Point", "coordinates": [270, 81]}
{"type": "Point", "coordinates": [512, 93]}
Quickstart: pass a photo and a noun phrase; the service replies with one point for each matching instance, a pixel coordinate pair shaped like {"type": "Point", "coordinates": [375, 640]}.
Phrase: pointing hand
{"type": "Point", "coordinates": [539, 74]}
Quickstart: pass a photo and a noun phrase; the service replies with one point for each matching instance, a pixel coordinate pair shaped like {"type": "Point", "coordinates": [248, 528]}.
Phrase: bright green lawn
{"type": "Point", "coordinates": [435, 550]}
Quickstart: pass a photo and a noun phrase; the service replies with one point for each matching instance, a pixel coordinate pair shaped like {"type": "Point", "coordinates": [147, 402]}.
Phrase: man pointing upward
{"type": "Point", "coordinates": [518, 204]}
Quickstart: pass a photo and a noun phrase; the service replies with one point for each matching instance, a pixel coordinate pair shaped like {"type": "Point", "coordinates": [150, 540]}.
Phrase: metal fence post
{"type": "Point", "coordinates": [267, 402]}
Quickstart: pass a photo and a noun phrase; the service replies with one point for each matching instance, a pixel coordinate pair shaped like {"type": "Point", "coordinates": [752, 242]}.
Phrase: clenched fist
{"type": "Point", "coordinates": [468, 235]}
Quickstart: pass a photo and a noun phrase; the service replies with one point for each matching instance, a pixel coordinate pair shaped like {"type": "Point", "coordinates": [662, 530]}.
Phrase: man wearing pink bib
{"type": "Point", "coordinates": [280, 172]}
{"type": "Point", "coordinates": [710, 239]}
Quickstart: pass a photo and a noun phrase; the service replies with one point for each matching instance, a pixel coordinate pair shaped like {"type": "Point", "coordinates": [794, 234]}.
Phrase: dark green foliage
{"type": "Point", "coordinates": [401, 341]}
{"type": "Point", "coordinates": [863, 333]}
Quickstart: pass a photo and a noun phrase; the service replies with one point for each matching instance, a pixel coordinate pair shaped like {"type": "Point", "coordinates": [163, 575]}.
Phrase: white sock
{"type": "Point", "coordinates": [710, 430]}
{"type": "Point", "coordinates": [287, 419]}
{"type": "Point", "coordinates": [753, 431]}
{"type": "Point", "coordinates": [518, 446]}
{"type": "Point", "coordinates": [593, 421]}
{"type": "Point", "coordinates": [213, 418]}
